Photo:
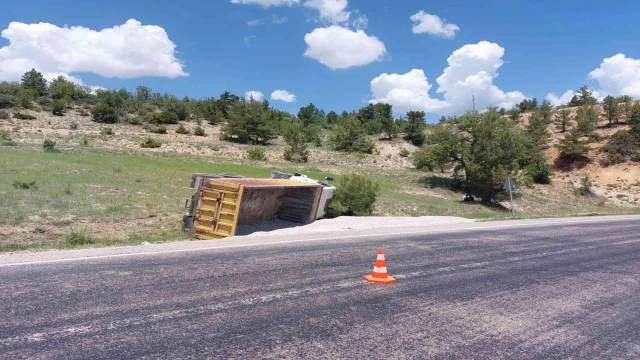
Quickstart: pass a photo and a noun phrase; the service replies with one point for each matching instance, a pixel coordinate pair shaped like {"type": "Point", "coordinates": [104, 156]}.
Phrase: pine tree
{"type": "Point", "coordinates": [35, 81]}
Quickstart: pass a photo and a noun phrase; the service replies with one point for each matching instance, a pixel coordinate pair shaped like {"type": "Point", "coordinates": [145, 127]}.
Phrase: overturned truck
{"type": "Point", "coordinates": [222, 202]}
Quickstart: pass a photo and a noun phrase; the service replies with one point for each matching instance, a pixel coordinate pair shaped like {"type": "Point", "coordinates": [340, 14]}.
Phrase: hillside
{"type": "Point", "coordinates": [121, 193]}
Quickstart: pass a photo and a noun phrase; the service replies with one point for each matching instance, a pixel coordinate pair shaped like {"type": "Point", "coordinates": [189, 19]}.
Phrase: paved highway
{"type": "Point", "coordinates": [538, 289]}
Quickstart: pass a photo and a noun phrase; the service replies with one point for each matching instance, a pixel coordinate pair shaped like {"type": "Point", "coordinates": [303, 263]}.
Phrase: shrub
{"type": "Point", "coordinates": [635, 156]}
{"type": "Point", "coordinates": [355, 196]}
{"type": "Point", "coordinates": [199, 131]}
{"type": "Point", "coordinates": [24, 185]}
{"type": "Point", "coordinates": [257, 154]}
{"type": "Point", "coordinates": [78, 237]}
{"type": "Point", "coordinates": [5, 134]}
{"type": "Point", "coordinates": [22, 116]}
{"type": "Point", "coordinates": [351, 137]}
{"type": "Point", "coordinates": [107, 131]}
{"type": "Point", "coordinates": [105, 114]}
{"type": "Point", "coordinates": [134, 121]}
{"type": "Point", "coordinates": [49, 145]}
{"type": "Point", "coordinates": [423, 160]}
{"type": "Point", "coordinates": [7, 101]}
{"type": "Point", "coordinates": [4, 114]}
{"type": "Point", "coordinates": [150, 143]}
{"type": "Point", "coordinates": [165, 117]}
{"type": "Point", "coordinates": [182, 130]}
{"type": "Point", "coordinates": [539, 171]}
{"type": "Point", "coordinates": [85, 141]}
{"type": "Point", "coordinates": [404, 153]}
{"type": "Point", "coordinates": [159, 130]}
{"type": "Point", "coordinates": [57, 108]}
{"type": "Point", "coordinates": [296, 139]}
{"type": "Point", "coordinates": [585, 185]}
{"type": "Point", "coordinates": [73, 126]}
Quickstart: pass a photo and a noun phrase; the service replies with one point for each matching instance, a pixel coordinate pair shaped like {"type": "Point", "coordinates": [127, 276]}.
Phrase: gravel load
{"type": "Point", "coordinates": [343, 224]}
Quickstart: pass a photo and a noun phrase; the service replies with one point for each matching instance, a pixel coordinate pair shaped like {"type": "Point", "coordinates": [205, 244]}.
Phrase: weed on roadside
{"type": "Point", "coordinates": [78, 237]}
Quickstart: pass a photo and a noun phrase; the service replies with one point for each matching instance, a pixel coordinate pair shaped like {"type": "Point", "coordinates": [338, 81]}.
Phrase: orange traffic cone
{"type": "Point", "coordinates": [379, 274]}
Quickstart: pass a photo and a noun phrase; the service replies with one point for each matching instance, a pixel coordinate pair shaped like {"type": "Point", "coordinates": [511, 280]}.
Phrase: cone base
{"type": "Point", "coordinates": [385, 281]}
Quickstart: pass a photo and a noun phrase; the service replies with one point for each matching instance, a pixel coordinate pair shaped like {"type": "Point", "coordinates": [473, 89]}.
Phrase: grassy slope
{"type": "Point", "coordinates": [85, 187]}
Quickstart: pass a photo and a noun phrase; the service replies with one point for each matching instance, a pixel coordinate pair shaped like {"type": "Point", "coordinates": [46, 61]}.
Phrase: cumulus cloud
{"type": "Point", "coordinates": [267, 3]}
{"type": "Point", "coordinates": [618, 75]}
{"type": "Point", "coordinates": [471, 72]}
{"type": "Point", "coordinates": [432, 24]}
{"type": "Point", "coordinates": [340, 48]}
{"type": "Point", "coordinates": [333, 11]}
{"type": "Point", "coordinates": [125, 51]}
{"type": "Point", "coordinates": [562, 100]}
{"type": "Point", "coordinates": [256, 95]}
{"type": "Point", "coordinates": [283, 95]}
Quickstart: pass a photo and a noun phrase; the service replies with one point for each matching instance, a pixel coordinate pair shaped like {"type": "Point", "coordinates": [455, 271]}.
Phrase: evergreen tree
{"type": "Point", "coordinates": [415, 127]}
{"type": "Point", "coordinates": [35, 81]}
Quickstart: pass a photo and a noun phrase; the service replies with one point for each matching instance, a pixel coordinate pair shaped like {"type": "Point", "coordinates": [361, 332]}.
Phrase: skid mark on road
{"type": "Point", "coordinates": [99, 326]}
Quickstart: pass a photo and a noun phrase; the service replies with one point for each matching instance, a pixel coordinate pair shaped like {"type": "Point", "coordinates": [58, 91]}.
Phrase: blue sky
{"type": "Point", "coordinates": [549, 46]}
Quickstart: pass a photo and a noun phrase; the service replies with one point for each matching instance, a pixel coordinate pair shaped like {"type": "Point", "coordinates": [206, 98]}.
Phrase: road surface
{"type": "Point", "coordinates": [529, 289]}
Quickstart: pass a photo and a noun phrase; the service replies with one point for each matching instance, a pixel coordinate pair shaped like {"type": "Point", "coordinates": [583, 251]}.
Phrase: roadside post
{"type": "Point", "coordinates": [510, 185]}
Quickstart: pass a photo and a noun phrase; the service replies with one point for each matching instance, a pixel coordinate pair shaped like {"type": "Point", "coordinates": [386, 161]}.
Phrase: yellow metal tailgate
{"type": "Point", "coordinates": [217, 210]}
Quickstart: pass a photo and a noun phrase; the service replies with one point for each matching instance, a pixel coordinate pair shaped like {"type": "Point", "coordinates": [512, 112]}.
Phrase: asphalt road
{"type": "Point", "coordinates": [544, 290]}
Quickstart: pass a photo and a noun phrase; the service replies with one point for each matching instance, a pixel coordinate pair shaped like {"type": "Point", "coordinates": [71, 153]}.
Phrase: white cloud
{"type": "Point", "coordinates": [432, 24]}
{"type": "Point", "coordinates": [283, 95]}
{"type": "Point", "coordinates": [256, 95]}
{"type": "Point", "coordinates": [247, 40]}
{"type": "Point", "coordinates": [125, 51]}
{"type": "Point", "coordinates": [255, 22]}
{"type": "Point", "coordinates": [267, 3]}
{"type": "Point", "coordinates": [340, 48]}
{"type": "Point", "coordinates": [471, 72]}
{"type": "Point", "coordinates": [275, 19]}
{"type": "Point", "coordinates": [406, 92]}
{"type": "Point", "coordinates": [562, 100]}
{"type": "Point", "coordinates": [618, 75]}
{"type": "Point", "coordinates": [333, 11]}
{"type": "Point", "coordinates": [360, 23]}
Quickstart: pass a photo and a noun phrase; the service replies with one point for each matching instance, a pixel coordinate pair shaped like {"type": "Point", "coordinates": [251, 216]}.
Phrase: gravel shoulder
{"type": "Point", "coordinates": [345, 224]}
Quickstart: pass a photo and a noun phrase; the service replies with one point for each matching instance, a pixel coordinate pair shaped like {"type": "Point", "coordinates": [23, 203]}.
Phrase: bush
{"type": "Point", "coordinates": [585, 185]}
{"type": "Point", "coordinates": [404, 153]}
{"type": "Point", "coordinates": [78, 237]}
{"type": "Point", "coordinates": [24, 185]}
{"type": "Point", "coordinates": [199, 131]}
{"type": "Point", "coordinates": [423, 160]}
{"type": "Point", "coordinates": [57, 108]}
{"type": "Point", "coordinates": [150, 143]}
{"type": "Point", "coordinates": [7, 101]}
{"type": "Point", "coordinates": [107, 131]}
{"type": "Point", "coordinates": [257, 154]}
{"type": "Point", "coordinates": [85, 141]}
{"type": "Point", "coordinates": [351, 137]}
{"type": "Point", "coordinates": [159, 130]}
{"type": "Point", "coordinates": [5, 135]}
{"type": "Point", "coordinates": [539, 171]}
{"type": "Point", "coordinates": [4, 114]}
{"type": "Point", "coordinates": [22, 116]}
{"type": "Point", "coordinates": [73, 126]}
{"type": "Point", "coordinates": [165, 117]}
{"type": "Point", "coordinates": [105, 114]}
{"type": "Point", "coordinates": [355, 196]}
{"type": "Point", "coordinates": [182, 130]}
{"type": "Point", "coordinates": [49, 145]}
{"type": "Point", "coordinates": [297, 140]}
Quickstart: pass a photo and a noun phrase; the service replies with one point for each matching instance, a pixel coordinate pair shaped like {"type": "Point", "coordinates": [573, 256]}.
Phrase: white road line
{"type": "Point", "coordinates": [444, 231]}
